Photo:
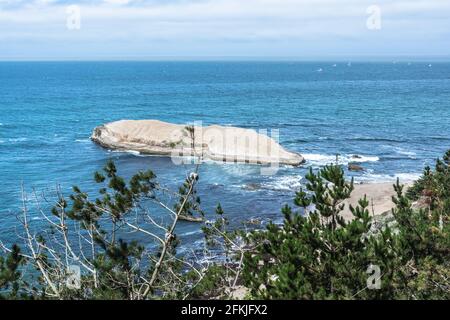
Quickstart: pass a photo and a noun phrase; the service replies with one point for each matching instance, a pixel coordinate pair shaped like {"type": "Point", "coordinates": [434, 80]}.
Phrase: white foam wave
{"type": "Point", "coordinates": [316, 159]}
{"type": "Point", "coordinates": [283, 183]}
{"type": "Point", "coordinates": [17, 139]}
{"type": "Point", "coordinates": [190, 233]}
{"type": "Point", "coordinates": [82, 140]}
{"type": "Point", "coordinates": [373, 177]}
{"type": "Point", "coordinates": [403, 152]}
{"type": "Point", "coordinates": [133, 152]}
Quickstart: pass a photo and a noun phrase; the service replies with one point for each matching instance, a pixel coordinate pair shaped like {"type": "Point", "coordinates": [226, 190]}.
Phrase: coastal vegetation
{"type": "Point", "coordinates": [322, 256]}
{"type": "Point", "coordinates": [124, 252]}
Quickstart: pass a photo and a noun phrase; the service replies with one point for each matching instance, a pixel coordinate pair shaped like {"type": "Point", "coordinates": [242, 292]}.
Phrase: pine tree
{"type": "Point", "coordinates": [313, 256]}
{"type": "Point", "coordinates": [10, 273]}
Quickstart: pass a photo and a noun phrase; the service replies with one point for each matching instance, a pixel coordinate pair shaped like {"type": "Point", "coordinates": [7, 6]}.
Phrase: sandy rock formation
{"type": "Point", "coordinates": [218, 143]}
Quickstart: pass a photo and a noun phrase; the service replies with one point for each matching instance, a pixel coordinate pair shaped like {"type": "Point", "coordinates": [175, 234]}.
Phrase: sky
{"type": "Point", "coordinates": [210, 29]}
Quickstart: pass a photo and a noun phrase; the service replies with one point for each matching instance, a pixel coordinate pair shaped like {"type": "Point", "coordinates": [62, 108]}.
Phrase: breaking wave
{"type": "Point", "coordinates": [377, 178]}
{"type": "Point", "coordinates": [133, 152]}
{"type": "Point", "coordinates": [82, 140]}
{"type": "Point", "coordinates": [323, 159]}
{"type": "Point", "coordinates": [283, 183]}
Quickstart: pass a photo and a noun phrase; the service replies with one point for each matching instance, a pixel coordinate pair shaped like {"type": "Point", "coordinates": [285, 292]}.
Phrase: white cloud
{"type": "Point", "coordinates": [118, 2]}
{"type": "Point", "coordinates": [233, 26]}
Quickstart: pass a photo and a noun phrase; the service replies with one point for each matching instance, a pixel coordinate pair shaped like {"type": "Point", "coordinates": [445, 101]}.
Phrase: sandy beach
{"type": "Point", "coordinates": [379, 196]}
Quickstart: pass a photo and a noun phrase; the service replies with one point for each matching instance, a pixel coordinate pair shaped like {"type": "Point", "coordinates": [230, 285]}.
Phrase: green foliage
{"type": "Point", "coordinates": [424, 234]}
{"type": "Point", "coordinates": [117, 197]}
{"type": "Point", "coordinates": [212, 285]}
{"type": "Point", "coordinates": [10, 273]}
{"type": "Point", "coordinates": [316, 254]}
{"type": "Point", "coordinates": [222, 277]}
{"type": "Point", "coordinates": [189, 202]}
{"type": "Point", "coordinates": [433, 188]}
{"type": "Point", "coordinates": [87, 231]}
{"type": "Point", "coordinates": [214, 231]}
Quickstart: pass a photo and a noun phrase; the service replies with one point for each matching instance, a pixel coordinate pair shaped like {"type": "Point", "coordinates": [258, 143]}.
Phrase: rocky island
{"type": "Point", "coordinates": [217, 143]}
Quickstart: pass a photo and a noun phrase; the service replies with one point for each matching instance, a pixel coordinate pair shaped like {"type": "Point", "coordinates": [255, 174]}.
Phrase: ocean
{"type": "Point", "coordinates": [394, 116]}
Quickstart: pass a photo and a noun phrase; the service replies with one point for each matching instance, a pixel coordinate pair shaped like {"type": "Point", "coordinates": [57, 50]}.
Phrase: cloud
{"type": "Point", "coordinates": [221, 27]}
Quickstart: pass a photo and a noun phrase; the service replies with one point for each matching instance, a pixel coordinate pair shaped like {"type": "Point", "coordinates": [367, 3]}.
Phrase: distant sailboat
{"type": "Point", "coordinates": [429, 66]}
{"type": "Point", "coordinates": [319, 70]}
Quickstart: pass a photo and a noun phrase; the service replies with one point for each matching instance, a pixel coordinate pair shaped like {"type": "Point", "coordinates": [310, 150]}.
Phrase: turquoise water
{"type": "Point", "coordinates": [396, 116]}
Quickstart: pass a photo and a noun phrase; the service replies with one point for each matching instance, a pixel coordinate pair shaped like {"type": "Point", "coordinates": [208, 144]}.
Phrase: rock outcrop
{"type": "Point", "coordinates": [217, 143]}
{"type": "Point", "coordinates": [355, 167]}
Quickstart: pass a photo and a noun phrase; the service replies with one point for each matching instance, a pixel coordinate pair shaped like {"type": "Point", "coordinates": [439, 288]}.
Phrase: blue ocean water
{"type": "Point", "coordinates": [395, 116]}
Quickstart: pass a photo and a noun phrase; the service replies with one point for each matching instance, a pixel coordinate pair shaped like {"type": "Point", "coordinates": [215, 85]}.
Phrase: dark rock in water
{"type": "Point", "coordinates": [355, 167]}
{"type": "Point", "coordinates": [252, 186]}
{"type": "Point", "coordinates": [355, 156]}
